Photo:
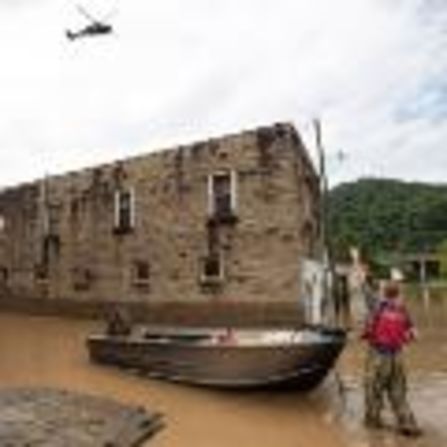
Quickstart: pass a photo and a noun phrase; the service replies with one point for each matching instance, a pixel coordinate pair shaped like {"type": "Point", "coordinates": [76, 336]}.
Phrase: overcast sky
{"type": "Point", "coordinates": [374, 71]}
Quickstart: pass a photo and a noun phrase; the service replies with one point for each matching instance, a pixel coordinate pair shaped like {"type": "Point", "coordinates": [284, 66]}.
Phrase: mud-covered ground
{"type": "Point", "coordinates": [51, 352]}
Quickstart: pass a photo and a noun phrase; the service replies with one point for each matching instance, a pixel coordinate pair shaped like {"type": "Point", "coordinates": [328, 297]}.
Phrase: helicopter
{"type": "Point", "coordinates": [95, 28]}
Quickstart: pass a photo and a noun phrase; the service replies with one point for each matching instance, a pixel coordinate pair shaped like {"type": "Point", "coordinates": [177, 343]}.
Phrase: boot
{"type": "Point", "coordinates": [411, 431]}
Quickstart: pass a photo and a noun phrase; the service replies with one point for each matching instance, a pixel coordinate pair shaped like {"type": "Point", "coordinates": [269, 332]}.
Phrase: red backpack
{"type": "Point", "coordinates": [390, 326]}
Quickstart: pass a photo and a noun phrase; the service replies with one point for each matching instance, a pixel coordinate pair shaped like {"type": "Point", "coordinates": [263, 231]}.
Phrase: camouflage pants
{"type": "Point", "coordinates": [385, 378]}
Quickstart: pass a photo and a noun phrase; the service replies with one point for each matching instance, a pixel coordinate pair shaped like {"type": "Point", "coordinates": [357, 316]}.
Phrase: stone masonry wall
{"type": "Point", "coordinates": [58, 242]}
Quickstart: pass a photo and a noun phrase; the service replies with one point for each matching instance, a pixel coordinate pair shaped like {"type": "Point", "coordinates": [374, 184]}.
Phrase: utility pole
{"type": "Point", "coordinates": [324, 240]}
{"type": "Point", "coordinates": [323, 188]}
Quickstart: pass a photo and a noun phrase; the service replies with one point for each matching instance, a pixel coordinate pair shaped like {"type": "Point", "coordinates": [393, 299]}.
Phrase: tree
{"type": "Point", "coordinates": [384, 216]}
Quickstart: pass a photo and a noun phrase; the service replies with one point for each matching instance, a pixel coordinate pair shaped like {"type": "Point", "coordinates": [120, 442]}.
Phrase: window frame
{"type": "Point", "coordinates": [137, 280]}
{"type": "Point", "coordinates": [118, 221]}
{"type": "Point", "coordinates": [210, 280]}
{"type": "Point", "coordinates": [212, 208]}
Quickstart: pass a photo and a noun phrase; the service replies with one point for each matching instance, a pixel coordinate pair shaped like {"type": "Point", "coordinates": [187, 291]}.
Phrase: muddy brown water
{"type": "Point", "coordinates": [39, 351]}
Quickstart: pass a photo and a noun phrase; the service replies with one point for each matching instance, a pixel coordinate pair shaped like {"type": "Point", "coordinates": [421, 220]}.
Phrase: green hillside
{"type": "Point", "coordinates": [387, 216]}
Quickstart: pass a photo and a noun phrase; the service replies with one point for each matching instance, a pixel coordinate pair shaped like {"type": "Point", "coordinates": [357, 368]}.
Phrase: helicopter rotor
{"type": "Point", "coordinates": [85, 13]}
{"type": "Point", "coordinates": [90, 17]}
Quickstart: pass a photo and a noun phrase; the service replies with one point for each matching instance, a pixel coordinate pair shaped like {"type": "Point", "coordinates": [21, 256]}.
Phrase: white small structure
{"type": "Point", "coordinates": [356, 279]}
{"type": "Point", "coordinates": [396, 274]}
{"type": "Point", "coordinates": [313, 291]}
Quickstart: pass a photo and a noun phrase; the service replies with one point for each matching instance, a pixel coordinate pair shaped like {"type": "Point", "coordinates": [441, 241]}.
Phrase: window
{"type": "Point", "coordinates": [52, 213]}
{"type": "Point", "coordinates": [222, 196]}
{"type": "Point", "coordinates": [212, 270]}
{"type": "Point", "coordinates": [82, 278]}
{"type": "Point", "coordinates": [3, 276]}
{"type": "Point", "coordinates": [2, 223]}
{"type": "Point", "coordinates": [140, 274]}
{"type": "Point", "coordinates": [124, 211]}
{"type": "Point", "coordinates": [41, 272]}
{"type": "Point", "coordinates": [54, 218]}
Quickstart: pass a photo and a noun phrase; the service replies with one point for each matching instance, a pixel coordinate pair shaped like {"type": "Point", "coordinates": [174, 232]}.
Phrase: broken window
{"type": "Point", "coordinates": [222, 196]}
{"type": "Point", "coordinates": [124, 210]}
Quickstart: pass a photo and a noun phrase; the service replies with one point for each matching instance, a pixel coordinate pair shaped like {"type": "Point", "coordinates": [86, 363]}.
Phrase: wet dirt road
{"type": "Point", "coordinates": [50, 352]}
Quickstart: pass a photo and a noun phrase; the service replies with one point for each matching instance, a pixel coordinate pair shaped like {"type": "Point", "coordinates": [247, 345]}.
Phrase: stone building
{"type": "Point", "coordinates": [207, 232]}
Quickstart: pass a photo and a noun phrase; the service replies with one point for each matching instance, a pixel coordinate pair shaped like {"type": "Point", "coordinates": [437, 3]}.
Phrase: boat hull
{"type": "Point", "coordinates": [239, 359]}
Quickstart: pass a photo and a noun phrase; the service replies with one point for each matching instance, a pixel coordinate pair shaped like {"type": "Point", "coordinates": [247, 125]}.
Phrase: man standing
{"type": "Point", "coordinates": [387, 330]}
